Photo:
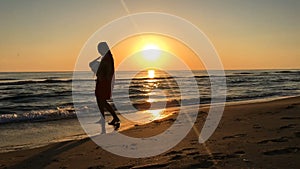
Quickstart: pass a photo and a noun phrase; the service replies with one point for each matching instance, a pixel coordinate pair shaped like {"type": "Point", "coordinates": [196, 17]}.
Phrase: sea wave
{"type": "Point", "coordinates": [38, 116]}
{"type": "Point", "coordinates": [35, 96]}
{"type": "Point", "coordinates": [31, 97]}
{"type": "Point", "coordinates": [37, 81]}
{"type": "Point", "coordinates": [6, 79]}
{"type": "Point", "coordinates": [253, 97]}
{"type": "Point", "coordinates": [24, 82]}
{"type": "Point", "coordinates": [288, 72]}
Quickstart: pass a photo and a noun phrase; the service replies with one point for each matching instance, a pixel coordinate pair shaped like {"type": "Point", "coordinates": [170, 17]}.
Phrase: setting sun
{"type": "Point", "coordinates": [154, 50]}
{"type": "Point", "coordinates": [150, 46]}
{"type": "Point", "coordinates": [151, 73]}
{"type": "Point", "coordinates": [151, 52]}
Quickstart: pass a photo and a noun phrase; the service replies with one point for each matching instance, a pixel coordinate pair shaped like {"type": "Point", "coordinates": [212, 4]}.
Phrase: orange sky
{"type": "Point", "coordinates": [135, 44]}
{"type": "Point", "coordinates": [48, 35]}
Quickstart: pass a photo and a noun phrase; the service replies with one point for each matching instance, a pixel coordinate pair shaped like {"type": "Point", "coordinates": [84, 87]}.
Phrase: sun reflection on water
{"type": "Point", "coordinates": [156, 114]}
{"type": "Point", "coordinates": [151, 73]}
{"type": "Point", "coordinates": [150, 100]}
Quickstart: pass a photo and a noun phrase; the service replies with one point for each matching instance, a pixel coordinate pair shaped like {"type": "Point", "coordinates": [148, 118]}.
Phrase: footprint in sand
{"type": "Point", "coordinates": [276, 140]}
{"type": "Point", "coordinates": [220, 156]}
{"type": "Point", "coordinates": [190, 151]}
{"type": "Point", "coordinates": [173, 153]}
{"type": "Point", "coordinates": [234, 136]}
{"type": "Point", "coordinates": [241, 152]}
{"type": "Point", "coordinates": [224, 156]}
{"type": "Point", "coordinates": [290, 118]}
{"type": "Point", "coordinates": [287, 150]}
{"type": "Point", "coordinates": [256, 126]}
{"type": "Point", "coordinates": [177, 157]}
{"type": "Point", "coordinates": [287, 126]}
{"type": "Point", "coordinates": [193, 153]}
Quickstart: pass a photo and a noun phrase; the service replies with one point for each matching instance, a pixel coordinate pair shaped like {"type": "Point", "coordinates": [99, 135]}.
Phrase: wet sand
{"type": "Point", "coordinates": [252, 135]}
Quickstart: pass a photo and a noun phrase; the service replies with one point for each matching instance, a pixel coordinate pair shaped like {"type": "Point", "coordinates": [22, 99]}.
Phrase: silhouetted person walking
{"type": "Point", "coordinates": [104, 83]}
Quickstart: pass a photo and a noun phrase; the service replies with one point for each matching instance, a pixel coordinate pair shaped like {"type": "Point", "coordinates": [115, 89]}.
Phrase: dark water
{"type": "Point", "coordinates": [48, 96]}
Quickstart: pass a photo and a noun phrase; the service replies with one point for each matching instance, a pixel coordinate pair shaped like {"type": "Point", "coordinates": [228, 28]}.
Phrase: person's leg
{"type": "Point", "coordinates": [101, 106]}
{"type": "Point", "coordinates": [102, 119]}
{"type": "Point", "coordinates": [112, 111]}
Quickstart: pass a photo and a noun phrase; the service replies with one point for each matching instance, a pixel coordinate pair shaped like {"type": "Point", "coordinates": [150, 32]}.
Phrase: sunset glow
{"type": "Point", "coordinates": [52, 41]}
{"type": "Point", "coordinates": [154, 50]}
{"type": "Point", "coordinates": [151, 52]}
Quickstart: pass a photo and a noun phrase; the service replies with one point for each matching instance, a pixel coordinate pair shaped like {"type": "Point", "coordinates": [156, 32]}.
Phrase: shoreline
{"type": "Point", "coordinates": [84, 135]}
{"type": "Point", "coordinates": [267, 136]}
{"type": "Point", "coordinates": [262, 100]}
{"type": "Point", "coordinates": [239, 102]}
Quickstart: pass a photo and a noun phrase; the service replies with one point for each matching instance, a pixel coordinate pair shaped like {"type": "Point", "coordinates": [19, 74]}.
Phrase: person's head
{"type": "Point", "coordinates": [103, 48]}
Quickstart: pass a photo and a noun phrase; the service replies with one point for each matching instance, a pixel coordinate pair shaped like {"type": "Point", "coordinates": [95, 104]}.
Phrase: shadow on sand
{"type": "Point", "coordinates": [42, 159]}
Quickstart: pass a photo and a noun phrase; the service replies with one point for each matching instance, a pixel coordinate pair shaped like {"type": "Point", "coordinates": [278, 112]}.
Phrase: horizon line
{"type": "Point", "coordinates": [53, 71]}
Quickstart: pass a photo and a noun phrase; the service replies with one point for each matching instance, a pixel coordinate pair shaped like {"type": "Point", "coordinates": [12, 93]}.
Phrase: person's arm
{"type": "Point", "coordinates": [96, 59]}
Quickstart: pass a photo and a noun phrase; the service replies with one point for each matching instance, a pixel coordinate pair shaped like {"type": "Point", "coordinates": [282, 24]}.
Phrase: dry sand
{"type": "Point", "coordinates": [253, 135]}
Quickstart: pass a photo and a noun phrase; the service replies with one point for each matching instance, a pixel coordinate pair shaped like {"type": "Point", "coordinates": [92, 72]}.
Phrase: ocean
{"type": "Point", "coordinates": [38, 101]}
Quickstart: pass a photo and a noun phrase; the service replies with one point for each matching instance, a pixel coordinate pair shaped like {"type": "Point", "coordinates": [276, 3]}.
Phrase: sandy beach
{"type": "Point", "coordinates": [131, 84]}
{"type": "Point", "coordinates": [251, 135]}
